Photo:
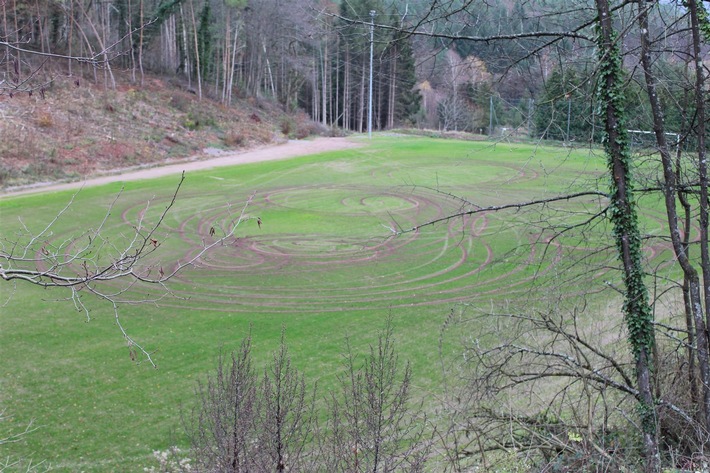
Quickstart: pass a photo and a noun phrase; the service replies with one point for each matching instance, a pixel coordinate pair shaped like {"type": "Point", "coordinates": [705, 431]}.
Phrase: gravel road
{"type": "Point", "coordinates": [286, 150]}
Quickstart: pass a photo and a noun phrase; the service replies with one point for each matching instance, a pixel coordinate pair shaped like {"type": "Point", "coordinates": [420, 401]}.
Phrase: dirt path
{"type": "Point", "coordinates": [289, 149]}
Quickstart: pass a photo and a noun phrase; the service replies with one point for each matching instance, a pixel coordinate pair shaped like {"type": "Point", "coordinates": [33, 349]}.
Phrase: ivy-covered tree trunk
{"type": "Point", "coordinates": [637, 311]}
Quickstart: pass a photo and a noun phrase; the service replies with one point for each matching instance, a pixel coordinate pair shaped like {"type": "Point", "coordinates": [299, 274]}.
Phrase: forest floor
{"type": "Point", "coordinates": [75, 129]}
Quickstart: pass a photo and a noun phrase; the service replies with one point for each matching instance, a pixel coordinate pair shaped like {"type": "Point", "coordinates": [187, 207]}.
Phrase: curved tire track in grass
{"type": "Point", "coordinates": [323, 267]}
{"type": "Point", "coordinates": [313, 272]}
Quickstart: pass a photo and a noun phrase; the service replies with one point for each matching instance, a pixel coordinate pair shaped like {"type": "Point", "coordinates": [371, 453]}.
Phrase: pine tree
{"type": "Point", "coordinates": [408, 98]}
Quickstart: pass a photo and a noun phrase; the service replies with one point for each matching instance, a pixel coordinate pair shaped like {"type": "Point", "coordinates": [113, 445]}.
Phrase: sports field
{"type": "Point", "coordinates": [332, 258]}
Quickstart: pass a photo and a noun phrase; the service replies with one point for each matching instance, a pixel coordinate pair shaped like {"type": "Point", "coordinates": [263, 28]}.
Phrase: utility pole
{"type": "Point", "coordinates": [531, 108]}
{"type": "Point", "coordinates": [369, 106]}
{"type": "Point", "coordinates": [491, 111]}
{"type": "Point", "coordinates": [569, 115]}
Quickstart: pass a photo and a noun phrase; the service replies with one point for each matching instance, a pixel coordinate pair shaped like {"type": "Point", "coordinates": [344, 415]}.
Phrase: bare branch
{"type": "Point", "coordinates": [88, 263]}
{"type": "Point", "coordinates": [496, 208]}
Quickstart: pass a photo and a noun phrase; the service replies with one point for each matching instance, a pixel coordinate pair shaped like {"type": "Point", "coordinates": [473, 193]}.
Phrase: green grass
{"type": "Point", "coordinates": [323, 265]}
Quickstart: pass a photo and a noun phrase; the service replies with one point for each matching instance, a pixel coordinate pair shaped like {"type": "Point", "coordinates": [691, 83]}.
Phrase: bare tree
{"type": "Point", "coordinates": [700, 27]}
{"type": "Point", "coordinates": [222, 426]}
{"type": "Point", "coordinates": [372, 425]}
{"type": "Point", "coordinates": [455, 114]}
{"type": "Point", "coordinates": [544, 389]}
{"type": "Point", "coordinates": [671, 188]}
{"type": "Point", "coordinates": [610, 20]}
{"type": "Point", "coordinates": [285, 415]}
{"type": "Point", "coordinates": [27, 66]}
{"type": "Point", "coordinates": [240, 424]}
{"type": "Point", "coordinates": [623, 216]}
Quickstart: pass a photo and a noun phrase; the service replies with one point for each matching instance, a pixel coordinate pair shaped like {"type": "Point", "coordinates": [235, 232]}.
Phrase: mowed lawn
{"type": "Point", "coordinates": [325, 264]}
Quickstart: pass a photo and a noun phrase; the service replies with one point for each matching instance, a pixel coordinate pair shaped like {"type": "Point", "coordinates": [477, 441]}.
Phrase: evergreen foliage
{"type": "Point", "coordinates": [395, 99]}
{"type": "Point", "coordinates": [204, 35]}
{"type": "Point", "coordinates": [408, 98]}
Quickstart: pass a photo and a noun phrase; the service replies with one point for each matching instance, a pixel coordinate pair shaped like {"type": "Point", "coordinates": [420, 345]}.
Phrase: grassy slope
{"type": "Point", "coordinates": [97, 411]}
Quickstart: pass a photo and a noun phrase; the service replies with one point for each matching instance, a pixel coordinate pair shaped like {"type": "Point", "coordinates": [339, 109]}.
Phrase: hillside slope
{"type": "Point", "coordinates": [76, 129]}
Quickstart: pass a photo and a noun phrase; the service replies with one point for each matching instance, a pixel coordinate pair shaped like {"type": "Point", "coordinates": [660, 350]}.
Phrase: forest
{"type": "Point", "coordinates": [455, 68]}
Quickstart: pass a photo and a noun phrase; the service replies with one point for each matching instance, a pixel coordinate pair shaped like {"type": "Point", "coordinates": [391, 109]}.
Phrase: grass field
{"type": "Point", "coordinates": [324, 264]}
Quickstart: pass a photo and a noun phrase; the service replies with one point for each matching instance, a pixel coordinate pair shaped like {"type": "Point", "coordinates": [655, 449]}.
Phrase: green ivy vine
{"type": "Point", "coordinates": [622, 212]}
{"type": "Point", "coordinates": [703, 19]}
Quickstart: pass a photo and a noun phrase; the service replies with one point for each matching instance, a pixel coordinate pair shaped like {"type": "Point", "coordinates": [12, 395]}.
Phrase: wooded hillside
{"type": "Point", "coordinates": [314, 55]}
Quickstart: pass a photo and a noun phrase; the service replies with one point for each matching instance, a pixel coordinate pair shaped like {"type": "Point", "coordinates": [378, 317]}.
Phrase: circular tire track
{"type": "Point", "coordinates": [260, 271]}
{"type": "Point", "coordinates": [331, 269]}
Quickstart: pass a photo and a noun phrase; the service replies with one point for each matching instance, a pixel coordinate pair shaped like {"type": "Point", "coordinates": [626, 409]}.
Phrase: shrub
{"type": "Point", "coordinates": [233, 139]}
{"type": "Point", "coordinates": [45, 120]}
{"type": "Point", "coordinates": [247, 422]}
{"type": "Point", "coordinates": [243, 424]}
{"type": "Point", "coordinates": [286, 126]}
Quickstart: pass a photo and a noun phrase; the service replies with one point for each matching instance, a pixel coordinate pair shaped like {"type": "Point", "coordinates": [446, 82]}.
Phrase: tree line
{"type": "Point", "coordinates": [315, 56]}
{"type": "Point", "coordinates": [296, 53]}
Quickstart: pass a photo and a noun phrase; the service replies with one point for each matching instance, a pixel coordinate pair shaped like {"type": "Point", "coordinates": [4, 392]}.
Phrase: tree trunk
{"type": "Point", "coordinates": [346, 91]}
{"type": "Point", "coordinates": [7, 48]}
{"type": "Point", "coordinates": [40, 21]}
{"type": "Point", "coordinates": [380, 97]}
{"type": "Point", "coordinates": [392, 87]}
{"type": "Point", "coordinates": [336, 103]}
{"type": "Point", "coordinates": [670, 194]}
{"type": "Point", "coordinates": [130, 43]}
{"type": "Point", "coordinates": [71, 34]}
{"type": "Point", "coordinates": [140, 42]}
{"type": "Point", "coordinates": [700, 97]}
{"type": "Point", "coordinates": [314, 89]}
{"type": "Point", "coordinates": [324, 86]}
{"type": "Point", "coordinates": [637, 311]}
{"type": "Point", "coordinates": [268, 69]}
{"type": "Point", "coordinates": [226, 56]}
{"type": "Point", "coordinates": [18, 56]}
{"type": "Point", "coordinates": [362, 105]}
{"type": "Point", "coordinates": [230, 84]}
{"type": "Point", "coordinates": [687, 222]}
{"type": "Point", "coordinates": [197, 52]}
